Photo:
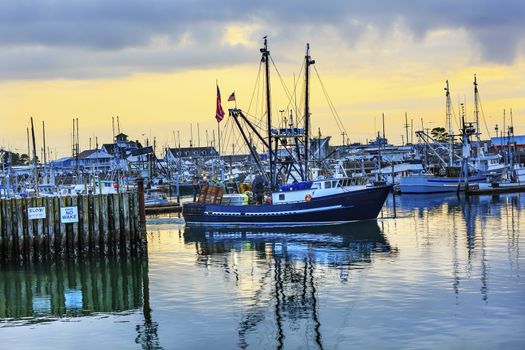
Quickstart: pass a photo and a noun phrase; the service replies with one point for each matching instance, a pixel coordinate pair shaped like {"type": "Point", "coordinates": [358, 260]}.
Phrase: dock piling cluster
{"type": "Point", "coordinates": [44, 228]}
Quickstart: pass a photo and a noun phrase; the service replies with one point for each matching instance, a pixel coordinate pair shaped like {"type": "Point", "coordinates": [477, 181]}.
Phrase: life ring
{"type": "Point", "coordinates": [308, 197]}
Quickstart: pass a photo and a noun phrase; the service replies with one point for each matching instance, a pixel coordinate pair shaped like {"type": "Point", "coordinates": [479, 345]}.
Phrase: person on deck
{"type": "Point", "coordinates": [196, 188]}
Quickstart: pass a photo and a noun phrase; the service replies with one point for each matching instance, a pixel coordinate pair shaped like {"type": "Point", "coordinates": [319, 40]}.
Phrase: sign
{"type": "Point", "coordinates": [69, 215]}
{"type": "Point", "coordinates": [36, 213]}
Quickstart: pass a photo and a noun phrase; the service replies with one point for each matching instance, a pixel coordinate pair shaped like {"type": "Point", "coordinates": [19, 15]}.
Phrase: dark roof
{"type": "Point", "coordinates": [86, 153]}
{"type": "Point", "coordinates": [193, 149]}
{"type": "Point", "coordinates": [141, 151]}
{"type": "Point", "coordinates": [110, 147]}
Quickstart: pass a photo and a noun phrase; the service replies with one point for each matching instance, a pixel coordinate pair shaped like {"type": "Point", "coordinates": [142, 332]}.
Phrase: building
{"type": "Point", "coordinates": [188, 153]}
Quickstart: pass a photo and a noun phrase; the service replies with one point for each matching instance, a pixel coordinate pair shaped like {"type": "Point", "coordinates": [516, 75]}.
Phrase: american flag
{"type": "Point", "coordinates": [232, 97]}
{"type": "Point", "coordinates": [219, 114]}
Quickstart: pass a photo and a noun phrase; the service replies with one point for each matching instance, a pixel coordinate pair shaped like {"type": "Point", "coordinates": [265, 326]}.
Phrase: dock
{"type": "Point", "coordinates": [46, 228]}
{"type": "Point", "coordinates": [495, 190]}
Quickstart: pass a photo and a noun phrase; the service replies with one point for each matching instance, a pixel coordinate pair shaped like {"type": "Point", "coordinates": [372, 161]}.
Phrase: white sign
{"type": "Point", "coordinates": [69, 215]}
{"type": "Point", "coordinates": [36, 213]}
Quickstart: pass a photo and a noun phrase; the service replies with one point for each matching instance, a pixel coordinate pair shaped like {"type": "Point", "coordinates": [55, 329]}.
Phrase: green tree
{"type": "Point", "coordinates": [439, 134]}
{"type": "Point", "coordinates": [16, 158]}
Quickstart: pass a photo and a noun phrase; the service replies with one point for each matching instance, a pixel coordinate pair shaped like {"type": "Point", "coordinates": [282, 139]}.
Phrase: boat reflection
{"type": "Point", "coordinates": [291, 264]}
{"type": "Point", "coordinates": [337, 245]}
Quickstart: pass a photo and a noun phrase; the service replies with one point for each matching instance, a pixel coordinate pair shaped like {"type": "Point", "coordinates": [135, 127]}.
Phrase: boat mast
{"type": "Point", "coordinates": [34, 157]}
{"type": "Point", "coordinates": [308, 62]}
{"type": "Point", "coordinates": [266, 59]}
{"type": "Point", "coordinates": [449, 124]}
{"type": "Point", "coordinates": [476, 114]}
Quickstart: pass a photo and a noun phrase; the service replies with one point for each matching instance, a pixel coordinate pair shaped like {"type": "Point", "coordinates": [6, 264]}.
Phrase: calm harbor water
{"type": "Point", "coordinates": [446, 273]}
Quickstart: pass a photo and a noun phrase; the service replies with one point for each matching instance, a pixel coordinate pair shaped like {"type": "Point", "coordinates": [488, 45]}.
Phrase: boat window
{"type": "Point", "coordinates": [281, 197]}
{"type": "Point", "coordinates": [334, 183]}
{"type": "Point", "coordinates": [327, 184]}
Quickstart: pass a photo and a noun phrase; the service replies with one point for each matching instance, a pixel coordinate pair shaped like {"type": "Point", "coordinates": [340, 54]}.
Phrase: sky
{"type": "Point", "coordinates": [155, 64]}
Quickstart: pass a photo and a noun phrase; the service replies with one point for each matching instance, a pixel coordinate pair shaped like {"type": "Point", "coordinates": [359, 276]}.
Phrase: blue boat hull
{"type": "Point", "coordinates": [334, 209]}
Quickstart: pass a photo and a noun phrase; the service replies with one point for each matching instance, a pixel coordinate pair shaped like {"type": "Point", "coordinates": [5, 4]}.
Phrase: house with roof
{"type": "Point", "coordinates": [97, 159]}
{"type": "Point", "coordinates": [122, 147]}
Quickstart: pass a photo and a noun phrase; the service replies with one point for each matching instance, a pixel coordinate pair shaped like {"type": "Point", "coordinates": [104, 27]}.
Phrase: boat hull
{"type": "Point", "coordinates": [334, 209]}
{"type": "Point", "coordinates": [421, 184]}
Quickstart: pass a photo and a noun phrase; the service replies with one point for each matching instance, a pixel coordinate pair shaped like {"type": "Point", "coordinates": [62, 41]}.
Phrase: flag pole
{"type": "Point", "coordinates": [219, 135]}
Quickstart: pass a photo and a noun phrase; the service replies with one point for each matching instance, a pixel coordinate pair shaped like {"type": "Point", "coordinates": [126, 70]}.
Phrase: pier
{"type": "Point", "coordinates": [46, 228]}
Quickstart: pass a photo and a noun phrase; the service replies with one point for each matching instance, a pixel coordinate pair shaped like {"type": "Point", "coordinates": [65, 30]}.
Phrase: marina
{"type": "Point", "coordinates": [205, 175]}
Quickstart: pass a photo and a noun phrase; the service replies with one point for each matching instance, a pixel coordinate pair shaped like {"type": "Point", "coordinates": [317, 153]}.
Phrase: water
{"type": "Point", "coordinates": [445, 274]}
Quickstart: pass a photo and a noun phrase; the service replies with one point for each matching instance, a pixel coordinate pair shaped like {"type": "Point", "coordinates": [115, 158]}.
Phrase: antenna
{"type": "Point", "coordinates": [113, 127]}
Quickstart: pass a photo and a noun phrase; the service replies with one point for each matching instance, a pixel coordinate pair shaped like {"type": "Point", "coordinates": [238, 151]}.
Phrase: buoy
{"type": "Point", "coordinates": [308, 197]}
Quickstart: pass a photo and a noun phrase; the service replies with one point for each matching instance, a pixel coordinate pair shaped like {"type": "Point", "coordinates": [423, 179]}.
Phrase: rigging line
{"type": "Point", "coordinates": [483, 115]}
{"type": "Point", "coordinates": [331, 105]}
{"type": "Point", "coordinates": [295, 89]}
{"type": "Point", "coordinates": [456, 119]}
{"type": "Point", "coordinates": [256, 85]}
{"type": "Point", "coordinates": [287, 92]}
{"type": "Point", "coordinates": [229, 132]}
{"type": "Point", "coordinates": [260, 124]}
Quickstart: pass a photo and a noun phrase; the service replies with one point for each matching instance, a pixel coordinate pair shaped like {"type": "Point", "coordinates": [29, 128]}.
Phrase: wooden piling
{"type": "Point", "coordinates": [105, 224]}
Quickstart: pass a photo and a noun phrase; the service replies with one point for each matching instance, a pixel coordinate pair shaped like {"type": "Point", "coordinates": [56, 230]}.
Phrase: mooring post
{"type": "Point", "coordinates": [142, 208]}
{"type": "Point", "coordinates": [394, 190]}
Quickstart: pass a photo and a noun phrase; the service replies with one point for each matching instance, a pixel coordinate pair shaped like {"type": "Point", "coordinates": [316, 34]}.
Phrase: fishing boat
{"type": "Point", "coordinates": [304, 201]}
{"type": "Point", "coordinates": [457, 174]}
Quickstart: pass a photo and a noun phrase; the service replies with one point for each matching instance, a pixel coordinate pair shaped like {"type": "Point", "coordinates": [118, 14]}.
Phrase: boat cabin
{"type": "Point", "coordinates": [306, 191]}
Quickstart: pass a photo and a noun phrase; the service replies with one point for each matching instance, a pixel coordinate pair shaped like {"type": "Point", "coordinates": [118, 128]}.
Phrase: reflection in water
{"type": "Point", "coordinates": [69, 289]}
{"type": "Point", "coordinates": [474, 214]}
{"type": "Point", "coordinates": [445, 271]}
{"type": "Point", "coordinates": [476, 211]}
{"type": "Point", "coordinates": [293, 261]}
{"type": "Point", "coordinates": [47, 292]}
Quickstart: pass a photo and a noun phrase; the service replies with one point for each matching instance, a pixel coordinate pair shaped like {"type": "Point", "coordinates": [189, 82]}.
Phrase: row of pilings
{"type": "Point", "coordinates": [47, 228]}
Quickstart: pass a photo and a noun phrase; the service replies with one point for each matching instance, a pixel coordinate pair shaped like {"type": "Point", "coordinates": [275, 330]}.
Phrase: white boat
{"type": "Point", "coordinates": [430, 183]}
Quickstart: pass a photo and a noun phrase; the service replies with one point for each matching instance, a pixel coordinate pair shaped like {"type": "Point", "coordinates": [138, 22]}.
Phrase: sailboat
{"type": "Point", "coordinates": [306, 202]}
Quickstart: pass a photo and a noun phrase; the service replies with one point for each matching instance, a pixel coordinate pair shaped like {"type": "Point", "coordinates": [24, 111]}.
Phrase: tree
{"type": "Point", "coordinates": [439, 134]}
{"type": "Point", "coordinates": [15, 158]}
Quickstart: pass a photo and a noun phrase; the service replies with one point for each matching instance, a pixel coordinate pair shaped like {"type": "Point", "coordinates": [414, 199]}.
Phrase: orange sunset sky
{"type": "Point", "coordinates": [155, 64]}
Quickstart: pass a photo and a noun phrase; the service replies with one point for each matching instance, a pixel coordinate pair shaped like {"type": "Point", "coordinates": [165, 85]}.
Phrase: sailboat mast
{"type": "Point", "coordinates": [266, 60]}
{"type": "Point", "coordinates": [476, 114]}
{"type": "Point", "coordinates": [308, 62]}
{"type": "Point", "coordinates": [449, 124]}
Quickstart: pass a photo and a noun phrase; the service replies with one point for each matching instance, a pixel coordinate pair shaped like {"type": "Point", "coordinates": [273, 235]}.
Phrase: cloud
{"type": "Point", "coordinates": [99, 38]}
